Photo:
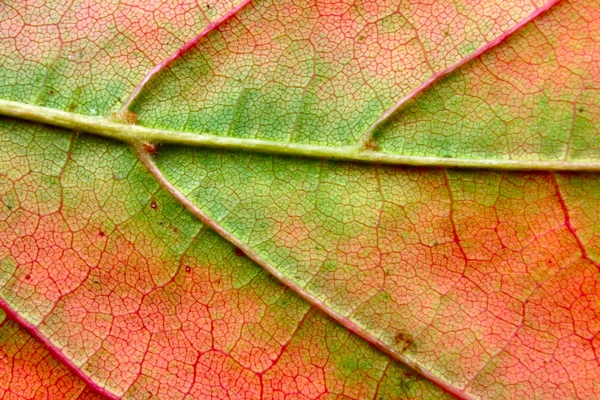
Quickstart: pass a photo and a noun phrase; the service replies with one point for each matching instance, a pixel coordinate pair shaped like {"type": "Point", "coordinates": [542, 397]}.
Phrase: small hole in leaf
{"type": "Point", "coordinates": [188, 269]}
{"type": "Point", "coordinates": [239, 252]}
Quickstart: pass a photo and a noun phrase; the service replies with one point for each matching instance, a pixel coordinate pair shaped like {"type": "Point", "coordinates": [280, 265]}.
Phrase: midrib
{"type": "Point", "coordinates": [133, 134]}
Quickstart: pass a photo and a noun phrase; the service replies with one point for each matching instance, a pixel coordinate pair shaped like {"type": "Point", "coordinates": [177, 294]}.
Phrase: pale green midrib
{"type": "Point", "coordinates": [134, 134]}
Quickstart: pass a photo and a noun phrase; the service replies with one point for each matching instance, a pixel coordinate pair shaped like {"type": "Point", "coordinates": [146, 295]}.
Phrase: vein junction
{"type": "Point", "coordinates": [135, 134]}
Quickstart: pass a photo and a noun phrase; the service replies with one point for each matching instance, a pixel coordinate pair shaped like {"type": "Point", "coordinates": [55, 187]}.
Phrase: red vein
{"type": "Point", "coordinates": [438, 75]}
{"type": "Point", "coordinates": [52, 349]}
{"type": "Point", "coordinates": [568, 223]}
{"type": "Point", "coordinates": [152, 168]}
{"type": "Point", "coordinates": [182, 50]}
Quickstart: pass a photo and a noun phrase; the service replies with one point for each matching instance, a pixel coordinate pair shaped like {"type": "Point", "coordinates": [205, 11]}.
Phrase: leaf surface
{"type": "Point", "coordinates": [30, 371]}
{"type": "Point", "coordinates": [145, 301]}
{"type": "Point", "coordinates": [485, 283]}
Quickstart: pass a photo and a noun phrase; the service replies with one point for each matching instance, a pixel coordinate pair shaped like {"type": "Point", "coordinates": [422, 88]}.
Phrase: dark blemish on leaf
{"type": "Point", "coordinates": [153, 205]}
{"type": "Point", "coordinates": [188, 269]}
{"type": "Point", "coordinates": [72, 107]}
{"type": "Point", "coordinates": [446, 33]}
{"type": "Point", "coordinates": [27, 277]}
{"type": "Point", "coordinates": [51, 92]}
{"type": "Point", "coordinates": [101, 234]}
{"type": "Point", "coordinates": [581, 109]}
{"type": "Point", "coordinates": [447, 156]}
{"type": "Point", "coordinates": [403, 340]}
{"type": "Point", "coordinates": [96, 281]}
{"type": "Point", "coordinates": [239, 252]}
{"type": "Point", "coordinates": [175, 230]}
{"type": "Point", "coordinates": [150, 148]}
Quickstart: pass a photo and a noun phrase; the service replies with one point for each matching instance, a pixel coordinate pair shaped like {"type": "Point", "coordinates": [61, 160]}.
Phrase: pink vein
{"type": "Point", "coordinates": [184, 49]}
{"type": "Point", "coordinates": [147, 161]}
{"type": "Point", "coordinates": [569, 223]}
{"type": "Point", "coordinates": [440, 74]}
{"type": "Point", "coordinates": [52, 349]}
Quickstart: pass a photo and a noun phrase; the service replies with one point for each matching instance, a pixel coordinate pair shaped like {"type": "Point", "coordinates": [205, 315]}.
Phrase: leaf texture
{"type": "Point", "coordinates": [30, 371]}
{"type": "Point", "coordinates": [472, 283]}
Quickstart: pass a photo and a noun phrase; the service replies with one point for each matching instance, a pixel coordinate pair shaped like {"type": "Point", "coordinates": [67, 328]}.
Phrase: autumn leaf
{"type": "Point", "coordinates": [299, 199]}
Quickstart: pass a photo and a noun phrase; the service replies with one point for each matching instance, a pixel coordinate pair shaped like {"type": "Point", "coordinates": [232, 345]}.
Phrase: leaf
{"type": "Point", "coordinates": [30, 371]}
{"type": "Point", "coordinates": [476, 282]}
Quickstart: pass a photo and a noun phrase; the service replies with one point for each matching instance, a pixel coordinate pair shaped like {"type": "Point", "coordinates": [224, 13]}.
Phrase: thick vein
{"type": "Point", "coordinates": [180, 52]}
{"type": "Point", "coordinates": [134, 134]}
{"type": "Point", "coordinates": [52, 349]}
{"type": "Point", "coordinates": [367, 135]}
{"type": "Point", "coordinates": [353, 327]}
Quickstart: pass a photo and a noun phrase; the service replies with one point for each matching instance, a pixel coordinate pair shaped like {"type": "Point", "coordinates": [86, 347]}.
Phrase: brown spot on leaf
{"type": "Point", "coordinates": [239, 252]}
{"type": "Point", "coordinates": [125, 117]}
{"type": "Point", "coordinates": [153, 205]}
{"type": "Point", "coordinates": [150, 148]}
{"type": "Point", "coordinates": [371, 145]}
{"type": "Point", "coordinates": [27, 277]}
{"type": "Point", "coordinates": [101, 234]}
{"type": "Point", "coordinates": [403, 340]}
{"type": "Point", "coordinates": [188, 269]}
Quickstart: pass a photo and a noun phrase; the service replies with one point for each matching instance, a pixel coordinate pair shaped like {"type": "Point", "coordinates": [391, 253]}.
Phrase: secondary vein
{"type": "Point", "coordinates": [366, 136]}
